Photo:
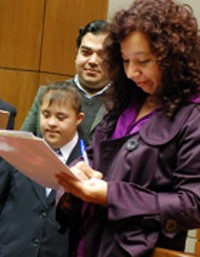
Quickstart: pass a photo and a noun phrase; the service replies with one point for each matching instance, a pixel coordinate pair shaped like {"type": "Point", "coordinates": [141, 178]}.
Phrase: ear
{"type": "Point", "coordinates": [80, 117]}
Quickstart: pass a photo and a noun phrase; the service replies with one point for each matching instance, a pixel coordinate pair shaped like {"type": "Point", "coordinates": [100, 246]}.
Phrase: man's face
{"type": "Point", "coordinates": [88, 63]}
{"type": "Point", "coordinates": [58, 122]}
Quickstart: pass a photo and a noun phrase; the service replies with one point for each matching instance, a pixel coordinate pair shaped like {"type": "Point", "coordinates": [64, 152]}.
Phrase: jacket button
{"type": "Point", "coordinates": [171, 226]}
{"type": "Point", "coordinates": [132, 144]}
{"type": "Point", "coordinates": [36, 241]}
{"type": "Point", "coordinates": [43, 214]}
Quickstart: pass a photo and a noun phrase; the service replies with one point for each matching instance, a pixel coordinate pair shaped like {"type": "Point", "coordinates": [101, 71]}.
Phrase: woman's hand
{"type": "Point", "coordinates": [84, 172]}
{"type": "Point", "coordinates": [90, 188]}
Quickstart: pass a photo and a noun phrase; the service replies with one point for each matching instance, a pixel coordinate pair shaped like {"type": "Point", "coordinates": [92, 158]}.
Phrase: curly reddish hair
{"type": "Point", "coordinates": [174, 38]}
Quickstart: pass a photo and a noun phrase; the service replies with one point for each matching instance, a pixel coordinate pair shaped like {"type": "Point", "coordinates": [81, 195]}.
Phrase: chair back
{"type": "Point", "coordinates": [161, 252]}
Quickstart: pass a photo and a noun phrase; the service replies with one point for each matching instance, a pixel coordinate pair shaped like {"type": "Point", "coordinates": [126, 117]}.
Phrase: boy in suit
{"type": "Point", "coordinates": [27, 210]}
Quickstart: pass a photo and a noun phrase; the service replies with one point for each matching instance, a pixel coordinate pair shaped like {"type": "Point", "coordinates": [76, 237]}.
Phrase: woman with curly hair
{"type": "Point", "coordinates": [147, 146]}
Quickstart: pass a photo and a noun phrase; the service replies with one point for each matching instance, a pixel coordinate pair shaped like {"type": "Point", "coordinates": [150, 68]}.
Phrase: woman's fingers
{"type": "Point", "coordinates": [92, 190]}
{"type": "Point", "coordinates": [82, 170]}
{"type": "Point", "coordinates": [80, 173]}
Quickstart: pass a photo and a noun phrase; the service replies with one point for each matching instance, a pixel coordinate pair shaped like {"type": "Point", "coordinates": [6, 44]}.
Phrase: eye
{"type": "Point", "coordinates": [125, 61]}
{"type": "Point", "coordinates": [86, 52]}
{"type": "Point", "coordinates": [144, 61]}
{"type": "Point", "coordinates": [46, 114]}
{"type": "Point", "coordinates": [61, 117]}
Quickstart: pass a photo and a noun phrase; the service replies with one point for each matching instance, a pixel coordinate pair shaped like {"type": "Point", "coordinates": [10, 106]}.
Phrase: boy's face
{"type": "Point", "coordinates": [58, 122]}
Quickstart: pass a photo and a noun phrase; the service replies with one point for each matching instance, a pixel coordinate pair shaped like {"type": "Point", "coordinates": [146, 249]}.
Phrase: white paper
{"type": "Point", "coordinates": [32, 156]}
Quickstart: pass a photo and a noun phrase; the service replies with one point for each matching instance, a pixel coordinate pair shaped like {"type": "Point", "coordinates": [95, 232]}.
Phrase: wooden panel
{"type": "Point", "coordinates": [19, 89]}
{"type": "Point", "coordinates": [198, 234]}
{"type": "Point", "coordinates": [197, 245]}
{"type": "Point", "coordinates": [46, 78]}
{"type": "Point", "coordinates": [197, 248]}
{"type": "Point", "coordinates": [21, 26]}
{"type": "Point", "coordinates": [63, 21]}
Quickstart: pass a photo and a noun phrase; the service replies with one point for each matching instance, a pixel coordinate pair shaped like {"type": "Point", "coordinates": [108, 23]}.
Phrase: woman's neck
{"type": "Point", "coordinates": [146, 108]}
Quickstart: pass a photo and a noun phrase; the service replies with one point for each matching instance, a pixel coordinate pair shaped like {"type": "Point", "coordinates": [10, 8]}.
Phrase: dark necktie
{"type": "Point", "coordinates": [58, 152]}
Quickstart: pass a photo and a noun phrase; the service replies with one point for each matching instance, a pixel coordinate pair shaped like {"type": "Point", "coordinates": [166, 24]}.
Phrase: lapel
{"type": "Point", "coordinates": [76, 152]}
{"type": "Point", "coordinates": [40, 192]}
{"type": "Point", "coordinates": [98, 118]}
{"type": "Point", "coordinates": [51, 198]}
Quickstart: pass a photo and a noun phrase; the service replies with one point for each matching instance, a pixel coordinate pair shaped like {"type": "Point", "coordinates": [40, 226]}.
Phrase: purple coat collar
{"type": "Point", "coordinates": [126, 125]}
{"type": "Point", "coordinates": [160, 130]}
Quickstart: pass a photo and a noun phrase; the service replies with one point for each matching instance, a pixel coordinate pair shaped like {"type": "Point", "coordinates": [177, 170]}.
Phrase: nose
{"type": "Point", "coordinates": [94, 58]}
{"type": "Point", "coordinates": [132, 71]}
{"type": "Point", "coordinates": [52, 121]}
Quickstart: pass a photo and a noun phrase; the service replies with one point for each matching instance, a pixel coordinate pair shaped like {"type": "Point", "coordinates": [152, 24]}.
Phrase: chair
{"type": "Point", "coordinates": [161, 252]}
{"type": "Point", "coordinates": [4, 117]}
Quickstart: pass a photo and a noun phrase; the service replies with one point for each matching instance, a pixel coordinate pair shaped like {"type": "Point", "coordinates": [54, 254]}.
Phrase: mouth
{"type": "Point", "coordinates": [142, 83]}
{"type": "Point", "coordinates": [52, 132]}
{"type": "Point", "coordinates": [91, 71]}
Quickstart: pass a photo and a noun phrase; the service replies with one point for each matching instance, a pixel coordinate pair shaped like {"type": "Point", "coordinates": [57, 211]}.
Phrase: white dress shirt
{"type": "Point", "coordinates": [65, 153]}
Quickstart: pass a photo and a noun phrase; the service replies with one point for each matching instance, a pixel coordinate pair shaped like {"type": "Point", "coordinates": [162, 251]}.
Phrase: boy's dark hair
{"type": "Point", "coordinates": [94, 27]}
{"type": "Point", "coordinates": [63, 91]}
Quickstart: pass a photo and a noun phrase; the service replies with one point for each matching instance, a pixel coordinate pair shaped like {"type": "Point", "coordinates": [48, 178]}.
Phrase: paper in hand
{"type": "Point", "coordinates": [32, 156]}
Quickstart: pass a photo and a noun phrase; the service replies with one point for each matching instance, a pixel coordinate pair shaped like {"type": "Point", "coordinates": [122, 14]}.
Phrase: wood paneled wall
{"type": "Point", "coordinates": [37, 45]}
{"type": "Point", "coordinates": [197, 244]}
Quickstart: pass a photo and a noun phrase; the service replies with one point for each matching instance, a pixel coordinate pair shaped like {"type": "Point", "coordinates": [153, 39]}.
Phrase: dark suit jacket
{"type": "Point", "coordinates": [8, 107]}
{"type": "Point", "coordinates": [27, 217]}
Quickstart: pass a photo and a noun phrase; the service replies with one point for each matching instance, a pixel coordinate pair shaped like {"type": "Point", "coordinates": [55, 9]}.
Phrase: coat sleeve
{"type": "Point", "coordinates": [31, 121]}
{"type": "Point", "coordinates": [182, 205]}
{"type": "Point", "coordinates": [4, 182]}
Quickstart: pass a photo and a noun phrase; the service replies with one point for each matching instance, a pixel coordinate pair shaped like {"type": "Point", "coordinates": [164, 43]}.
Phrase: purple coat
{"type": "Point", "coordinates": [153, 186]}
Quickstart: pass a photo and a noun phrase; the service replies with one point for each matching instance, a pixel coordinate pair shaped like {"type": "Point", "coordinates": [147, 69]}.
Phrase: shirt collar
{"type": "Point", "coordinates": [76, 81]}
{"type": "Point", "coordinates": [126, 124]}
{"type": "Point", "coordinates": [195, 99]}
{"type": "Point", "coordinates": [67, 149]}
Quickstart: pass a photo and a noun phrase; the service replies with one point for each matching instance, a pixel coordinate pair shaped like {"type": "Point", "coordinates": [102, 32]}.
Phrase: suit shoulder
{"type": "Point", "coordinates": [7, 107]}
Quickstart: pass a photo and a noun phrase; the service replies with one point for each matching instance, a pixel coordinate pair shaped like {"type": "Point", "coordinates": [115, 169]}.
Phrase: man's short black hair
{"type": "Point", "coordinates": [94, 27]}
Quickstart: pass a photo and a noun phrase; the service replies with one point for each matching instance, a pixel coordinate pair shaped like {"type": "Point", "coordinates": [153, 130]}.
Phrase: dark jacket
{"type": "Point", "coordinates": [8, 107]}
{"type": "Point", "coordinates": [27, 217]}
{"type": "Point", "coordinates": [153, 187]}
